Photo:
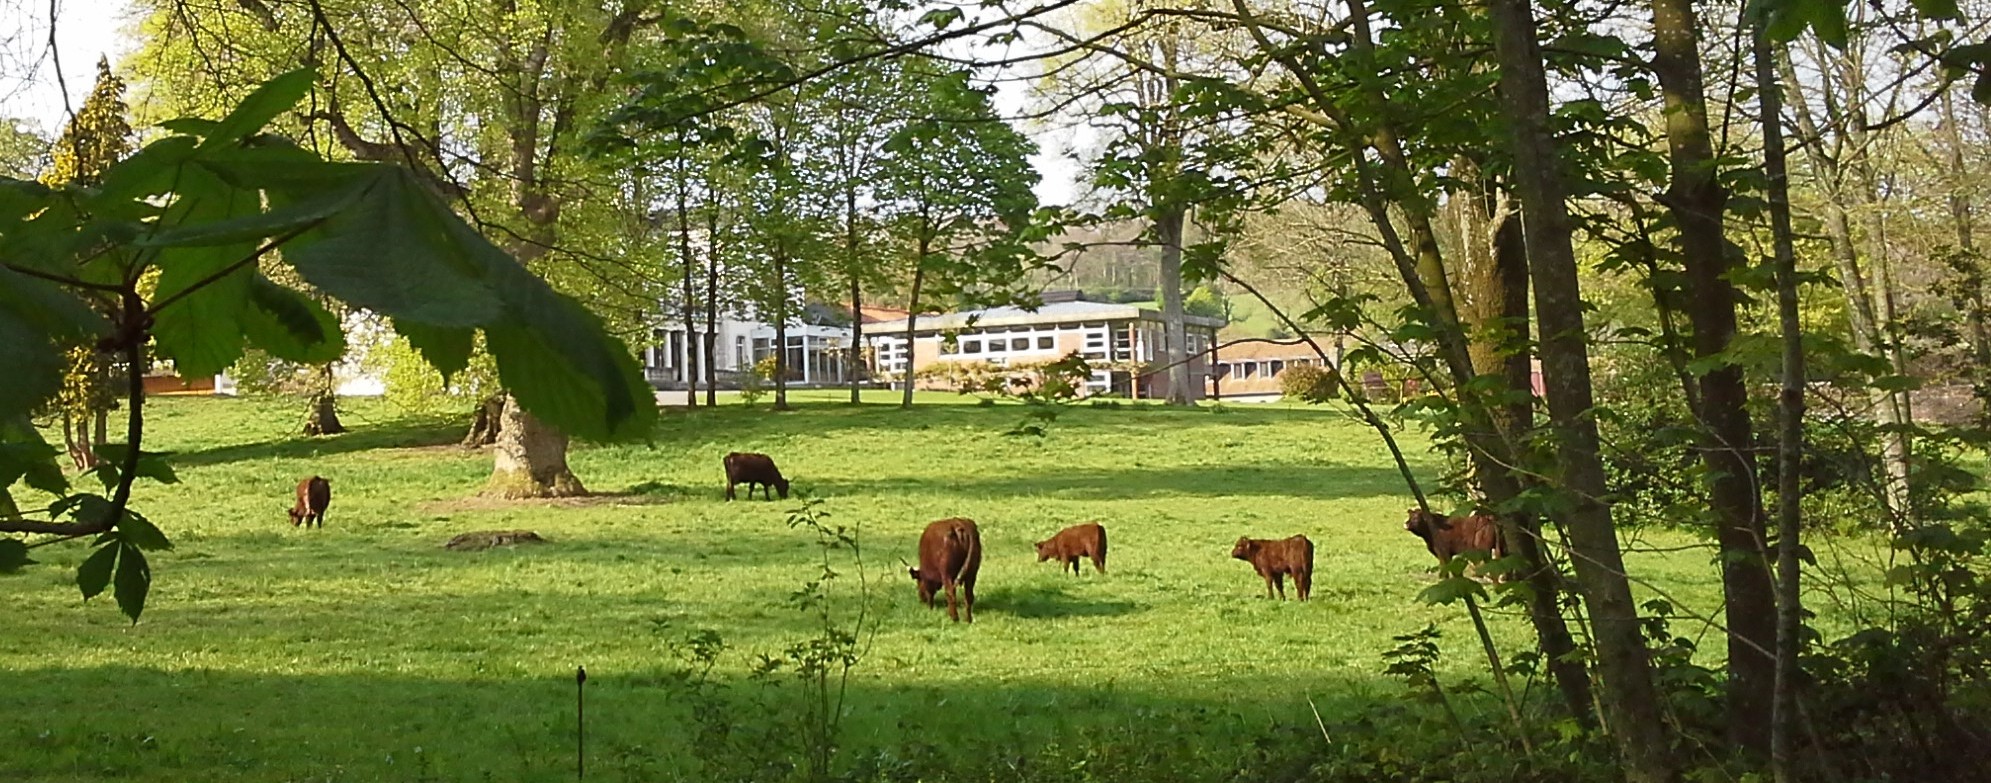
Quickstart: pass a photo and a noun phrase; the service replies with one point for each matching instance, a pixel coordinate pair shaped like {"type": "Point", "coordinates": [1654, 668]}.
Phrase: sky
{"type": "Point", "coordinates": [89, 29]}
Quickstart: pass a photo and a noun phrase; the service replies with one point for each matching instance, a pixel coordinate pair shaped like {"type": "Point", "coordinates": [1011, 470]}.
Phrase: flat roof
{"type": "Point", "coordinates": [1049, 313]}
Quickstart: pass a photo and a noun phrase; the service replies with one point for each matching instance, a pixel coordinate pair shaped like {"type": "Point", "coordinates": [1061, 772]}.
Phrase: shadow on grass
{"type": "Point", "coordinates": [1300, 481]}
{"type": "Point", "coordinates": [421, 433]}
{"type": "Point", "coordinates": [1040, 602]}
{"type": "Point", "coordinates": [519, 725]}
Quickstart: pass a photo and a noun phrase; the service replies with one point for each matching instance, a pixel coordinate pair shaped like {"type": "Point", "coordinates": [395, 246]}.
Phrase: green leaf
{"type": "Point", "coordinates": [290, 325]}
{"type": "Point", "coordinates": [34, 364]}
{"type": "Point", "coordinates": [191, 126]}
{"type": "Point", "coordinates": [134, 581]}
{"type": "Point", "coordinates": [447, 350]}
{"type": "Point", "coordinates": [201, 330]}
{"type": "Point", "coordinates": [25, 455]}
{"type": "Point", "coordinates": [13, 555]}
{"type": "Point", "coordinates": [1936, 9]}
{"type": "Point", "coordinates": [398, 251]}
{"type": "Point", "coordinates": [95, 573]}
{"type": "Point", "coordinates": [259, 225]}
{"type": "Point", "coordinates": [260, 107]}
{"type": "Point", "coordinates": [151, 464]}
{"type": "Point", "coordinates": [140, 532]}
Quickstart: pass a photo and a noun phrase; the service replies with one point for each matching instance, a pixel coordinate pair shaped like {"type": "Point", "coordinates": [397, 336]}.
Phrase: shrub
{"type": "Point", "coordinates": [1307, 383]}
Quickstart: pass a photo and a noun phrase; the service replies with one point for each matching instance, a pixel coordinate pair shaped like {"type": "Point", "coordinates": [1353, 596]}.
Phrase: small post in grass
{"type": "Point", "coordinates": [580, 725]}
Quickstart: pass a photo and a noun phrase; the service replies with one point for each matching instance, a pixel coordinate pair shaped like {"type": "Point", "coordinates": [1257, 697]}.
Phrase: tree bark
{"type": "Point", "coordinates": [1862, 301]}
{"type": "Point", "coordinates": [1697, 201]}
{"type": "Point", "coordinates": [1175, 335]}
{"type": "Point", "coordinates": [712, 301]}
{"type": "Point", "coordinates": [1629, 698]}
{"type": "Point", "coordinates": [531, 459]}
{"type": "Point", "coordinates": [781, 325]}
{"type": "Point", "coordinates": [851, 251]}
{"type": "Point", "coordinates": [690, 308]}
{"type": "Point", "coordinates": [486, 423]}
{"type": "Point", "coordinates": [912, 318]}
{"type": "Point", "coordinates": [1495, 307]}
{"type": "Point", "coordinates": [323, 418]}
{"type": "Point", "coordinates": [1790, 423]}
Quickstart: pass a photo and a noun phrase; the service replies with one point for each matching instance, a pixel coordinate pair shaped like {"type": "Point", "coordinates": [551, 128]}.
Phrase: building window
{"type": "Point", "coordinates": [971, 346]}
{"type": "Point", "coordinates": [1046, 343]}
{"type": "Point", "coordinates": [1277, 367]}
{"type": "Point", "coordinates": [1020, 344]}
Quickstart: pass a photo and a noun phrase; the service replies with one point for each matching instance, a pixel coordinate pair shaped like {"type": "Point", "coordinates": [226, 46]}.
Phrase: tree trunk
{"type": "Point", "coordinates": [323, 418]}
{"type": "Point", "coordinates": [1175, 335]}
{"type": "Point", "coordinates": [1862, 317]}
{"type": "Point", "coordinates": [100, 425]}
{"type": "Point", "coordinates": [851, 251]}
{"type": "Point", "coordinates": [690, 309]}
{"type": "Point", "coordinates": [712, 303]}
{"type": "Point", "coordinates": [912, 318]}
{"type": "Point", "coordinates": [1495, 307]}
{"type": "Point", "coordinates": [1790, 429]}
{"type": "Point", "coordinates": [486, 423]}
{"type": "Point", "coordinates": [1629, 698]}
{"type": "Point", "coordinates": [1964, 263]}
{"type": "Point", "coordinates": [531, 459]}
{"type": "Point", "coordinates": [781, 326]}
{"type": "Point", "coordinates": [1697, 201]}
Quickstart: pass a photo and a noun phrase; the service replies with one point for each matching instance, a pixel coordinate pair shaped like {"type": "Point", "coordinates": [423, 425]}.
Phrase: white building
{"type": "Point", "coordinates": [818, 350]}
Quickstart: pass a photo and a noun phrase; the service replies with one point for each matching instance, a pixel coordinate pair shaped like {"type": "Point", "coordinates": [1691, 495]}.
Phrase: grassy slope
{"type": "Point", "coordinates": [365, 652]}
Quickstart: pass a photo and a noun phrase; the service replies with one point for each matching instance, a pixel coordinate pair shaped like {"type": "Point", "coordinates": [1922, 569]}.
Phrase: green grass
{"type": "Point", "coordinates": [365, 652]}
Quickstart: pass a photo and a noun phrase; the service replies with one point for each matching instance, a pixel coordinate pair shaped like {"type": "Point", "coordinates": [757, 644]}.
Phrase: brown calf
{"type": "Point", "coordinates": [749, 468]}
{"type": "Point", "coordinates": [1072, 543]}
{"type": "Point", "coordinates": [313, 495]}
{"type": "Point", "coordinates": [1450, 536]}
{"type": "Point", "coordinates": [1275, 558]}
{"type": "Point", "coordinates": [950, 553]}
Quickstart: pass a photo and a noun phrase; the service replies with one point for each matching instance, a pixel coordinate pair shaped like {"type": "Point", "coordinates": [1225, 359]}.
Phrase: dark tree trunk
{"type": "Point", "coordinates": [689, 310]}
{"type": "Point", "coordinates": [1697, 200]}
{"type": "Point", "coordinates": [324, 416]}
{"type": "Point", "coordinates": [531, 459]}
{"type": "Point", "coordinates": [851, 252]}
{"type": "Point", "coordinates": [712, 303]}
{"type": "Point", "coordinates": [1790, 429]}
{"type": "Point", "coordinates": [486, 422]}
{"type": "Point", "coordinates": [912, 319]}
{"type": "Point", "coordinates": [1175, 336]}
{"type": "Point", "coordinates": [781, 328]}
{"type": "Point", "coordinates": [1629, 698]}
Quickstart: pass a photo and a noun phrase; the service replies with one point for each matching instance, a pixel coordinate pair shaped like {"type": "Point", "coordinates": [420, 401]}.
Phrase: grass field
{"type": "Point", "coordinates": [366, 652]}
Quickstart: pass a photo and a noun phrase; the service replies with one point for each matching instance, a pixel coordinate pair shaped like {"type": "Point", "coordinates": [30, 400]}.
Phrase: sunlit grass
{"type": "Point", "coordinates": [272, 653]}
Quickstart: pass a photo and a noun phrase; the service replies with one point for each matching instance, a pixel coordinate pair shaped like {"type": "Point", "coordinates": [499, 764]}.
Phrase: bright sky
{"type": "Point", "coordinates": [89, 29]}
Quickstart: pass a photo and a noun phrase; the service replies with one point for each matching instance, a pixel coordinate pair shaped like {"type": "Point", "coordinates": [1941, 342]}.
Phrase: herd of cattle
{"type": "Point", "coordinates": [950, 550]}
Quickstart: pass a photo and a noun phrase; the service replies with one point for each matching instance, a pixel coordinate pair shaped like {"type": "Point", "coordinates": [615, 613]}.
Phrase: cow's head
{"type": "Point", "coordinates": [1245, 548]}
{"type": "Point", "coordinates": [1044, 550]}
{"type": "Point", "coordinates": [781, 486]}
{"type": "Point", "coordinates": [1423, 523]}
{"type": "Point", "coordinates": [295, 515]}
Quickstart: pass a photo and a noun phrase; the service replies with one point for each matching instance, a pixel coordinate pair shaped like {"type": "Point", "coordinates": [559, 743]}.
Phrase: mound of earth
{"type": "Point", "coordinates": [485, 539]}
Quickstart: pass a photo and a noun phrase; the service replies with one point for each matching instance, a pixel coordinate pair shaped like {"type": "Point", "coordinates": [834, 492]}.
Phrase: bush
{"type": "Point", "coordinates": [1307, 383]}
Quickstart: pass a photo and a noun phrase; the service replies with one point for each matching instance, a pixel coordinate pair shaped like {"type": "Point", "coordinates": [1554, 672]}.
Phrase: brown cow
{"type": "Point", "coordinates": [1275, 558]}
{"type": "Point", "coordinates": [750, 468]}
{"type": "Point", "coordinates": [950, 553]}
{"type": "Point", "coordinates": [313, 495]}
{"type": "Point", "coordinates": [1072, 543]}
{"type": "Point", "coordinates": [1450, 536]}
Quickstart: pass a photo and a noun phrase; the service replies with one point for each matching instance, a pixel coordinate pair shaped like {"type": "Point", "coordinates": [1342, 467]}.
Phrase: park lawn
{"type": "Point", "coordinates": [364, 651]}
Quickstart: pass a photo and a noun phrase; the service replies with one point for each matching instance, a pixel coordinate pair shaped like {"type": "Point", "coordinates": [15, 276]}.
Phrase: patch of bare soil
{"type": "Point", "coordinates": [485, 539]}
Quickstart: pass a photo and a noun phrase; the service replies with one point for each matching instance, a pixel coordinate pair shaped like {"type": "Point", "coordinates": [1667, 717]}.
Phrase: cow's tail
{"type": "Point", "coordinates": [972, 545]}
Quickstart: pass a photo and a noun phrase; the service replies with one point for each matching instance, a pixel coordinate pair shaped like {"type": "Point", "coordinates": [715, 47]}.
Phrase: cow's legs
{"type": "Point", "coordinates": [953, 611]}
{"type": "Point", "coordinates": [1073, 562]}
{"type": "Point", "coordinates": [1099, 562]}
{"type": "Point", "coordinates": [968, 588]}
{"type": "Point", "coordinates": [1280, 580]}
{"type": "Point", "coordinates": [729, 490]}
{"type": "Point", "coordinates": [1268, 582]}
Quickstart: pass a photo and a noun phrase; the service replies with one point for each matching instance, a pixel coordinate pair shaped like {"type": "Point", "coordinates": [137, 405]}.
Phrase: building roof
{"type": "Point", "coordinates": [1258, 350]}
{"type": "Point", "coordinates": [1048, 313]}
{"type": "Point", "coordinates": [872, 314]}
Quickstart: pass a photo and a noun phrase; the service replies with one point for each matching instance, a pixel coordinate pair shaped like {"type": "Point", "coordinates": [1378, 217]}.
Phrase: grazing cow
{"type": "Point", "coordinates": [749, 468]}
{"type": "Point", "coordinates": [1275, 558]}
{"type": "Point", "coordinates": [1072, 543]}
{"type": "Point", "coordinates": [1450, 536]}
{"type": "Point", "coordinates": [313, 495]}
{"type": "Point", "coordinates": [950, 553]}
